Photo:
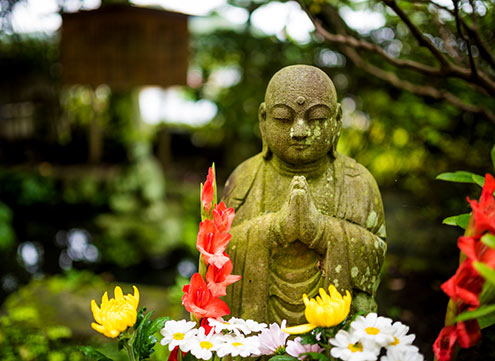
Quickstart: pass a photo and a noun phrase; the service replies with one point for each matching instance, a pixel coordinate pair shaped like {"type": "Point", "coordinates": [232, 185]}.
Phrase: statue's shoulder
{"type": "Point", "coordinates": [241, 180]}
{"type": "Point", "coordinates": [353, 169]}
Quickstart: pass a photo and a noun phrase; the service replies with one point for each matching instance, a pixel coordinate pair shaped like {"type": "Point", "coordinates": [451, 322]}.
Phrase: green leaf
{"type": "Point", "coordinates": [485, 271]}
{"type": "Point", "coordinates": [145, 339]}
{"type": "Point", "coordinates": [487, 321]}
{"type": "Point", "coordinates": [91, 352]}
{"type": "Point", "coordinates": [487, 295]}
{"type": "Point", "coordinates": [481, 311]}
{"type": "Point", "coordinates": [189, 357]}
{"type": "Point", "coordinates": [489, 240]}
{"type": "Point", "coordinates": [157, 324]}
{"type": "Point", "coordinates": [462, 220]}
{"type": "Point", "coordinates": [140, 317]}
{"type": "Point", "coordinates": [283, 358]}
{"type": "Point", "coordinates": [492, 153]}
{"type": "Point", "coordinates": [479, 180]}
{"type": "Point", "coordinates": [462, 176]}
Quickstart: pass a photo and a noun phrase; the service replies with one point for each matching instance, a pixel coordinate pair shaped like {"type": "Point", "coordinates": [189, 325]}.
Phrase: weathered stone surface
{"type": "Point", "coordinates": [306, 216]}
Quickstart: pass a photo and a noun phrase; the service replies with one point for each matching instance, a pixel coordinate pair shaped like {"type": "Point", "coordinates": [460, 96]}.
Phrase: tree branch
{"type": "Point", "coordinates": [422, 40]}
{"type": "Point", "coordinates": [350, 44]}
{"type": "Point", "coordinates": [421, 90]}
{"type": "Point", "coordinates": [474, 71]}
{"type": "Point", "coordinates": [472, 33]}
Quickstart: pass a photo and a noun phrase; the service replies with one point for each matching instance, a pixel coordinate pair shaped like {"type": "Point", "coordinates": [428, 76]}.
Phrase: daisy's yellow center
{"type": "Point", "coordinates": [226, 323]}
{"type": "Point", "coordinates": [178, 336]}
{"type": "Point", "coordinates": [206, 344]}
{"type": "Point", "coordinates": [372, 331]}
{"type": "Point", "coordinates": [396, 341]}
{"type": "Point", "coordinates": [355, 347]}
{"type": "Point", "coordinates": [236, 344]}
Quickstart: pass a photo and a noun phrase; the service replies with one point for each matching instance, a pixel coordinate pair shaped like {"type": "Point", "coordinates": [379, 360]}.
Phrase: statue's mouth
{"type": "Point", "coordinates": [300, 145]}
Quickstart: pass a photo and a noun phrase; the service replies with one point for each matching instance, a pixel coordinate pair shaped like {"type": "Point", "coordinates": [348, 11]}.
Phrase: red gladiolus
{"type": "Point", "coordinates": [465, 285]}
{"type": "Point", "coordinates": [223, 217]}
{"type": "Point", "coordinates": [477, 250]}
{"type": "Point", "coordinates": [484, 211]}
{"type": "Point", "coordinates": [199, 300]}
{"type": "Point", "coordinates": [212, 243]}
{"type": "Point", "coordinates": [208, 191]}
{"type": "Point", "coordinates": [445, 342]}
{"type": "Point", "coordinates": [206, 325]}
{"type": "Point", "coordinates": [468, 333]}
{"type": "Point", "coordinates": [174, 353]}
{"type": "Point", "coordinates": [219, 278]}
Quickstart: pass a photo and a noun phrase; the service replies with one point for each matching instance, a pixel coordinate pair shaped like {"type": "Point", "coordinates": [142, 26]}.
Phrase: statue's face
{"type": "Point", "coordinates": [301, 118]}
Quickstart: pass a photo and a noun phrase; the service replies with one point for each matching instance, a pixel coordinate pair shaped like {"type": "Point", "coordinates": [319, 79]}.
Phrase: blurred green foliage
{"type": "Point", "coordinates": [24, 337]}
{"type": "Point", "coordinates": [7, 235]}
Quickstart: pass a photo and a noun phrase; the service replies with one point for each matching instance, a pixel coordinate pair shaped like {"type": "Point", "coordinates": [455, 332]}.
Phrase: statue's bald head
{"type": "Point", "coordinates": [300, 118]}
{"type": "Point", "coordinates": [299, 84]}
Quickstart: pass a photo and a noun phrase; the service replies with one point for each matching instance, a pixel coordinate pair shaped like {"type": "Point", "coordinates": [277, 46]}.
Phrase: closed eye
{"type": "Point", "coordinates": [283, 120]}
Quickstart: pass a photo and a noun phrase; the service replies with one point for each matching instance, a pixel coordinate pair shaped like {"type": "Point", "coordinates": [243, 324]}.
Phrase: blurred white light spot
{"type": "Point", "coordinates": [149, 104]}
{"type": "Point", "coordinates": [274, 17]}
{"type": "Point", "coordinates": [329, 58]}
{"type": "Point", "coordinates": [171, 106]}
{"type": "Point", "coordinates": [234, 14]}
{"type": "Point", "coordinates": [193, 7]}
{"type": "Point", "coordinates": [362, 20]}
{"type": "Point", "coordinates": [348, 105]}
{"type": "Point", "coordinates": [186, 268]}
{"type": "Point", "coordinates": [91, 253]}
{"type": "Point", "coordinates": [64, 261]}
{"type": "Point", "coordinates": [36, 16]}
{"type": "Point", "coordinates": [225, 77]}
{"type": "Point", "coordinates": [78, 242]}
{"type": "Point", "coordinates": [29, 254]}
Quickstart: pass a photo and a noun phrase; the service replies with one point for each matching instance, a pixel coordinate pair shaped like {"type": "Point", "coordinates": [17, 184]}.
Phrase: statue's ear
{"type": "Point", "coordinates": [262, 118]}
{"type": "Point", "coordinates": [262, 112]}
{"type": "Point", "coordinates": [338, 113]}
{"type": "Point", "coordinates": [336, 130]}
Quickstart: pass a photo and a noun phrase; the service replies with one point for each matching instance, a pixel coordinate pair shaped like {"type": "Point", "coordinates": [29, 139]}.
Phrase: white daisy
{"type": "Point", "coordinates": [347, 346]}
{"type": "Point", "coordinates": [176, 333]}
{"type": "Point", "coordinates": [373, 329]}
{"type": "Point", "coordinates": [401, 338]}
{"type": "Point", "coordinates": [201, 345]}
{"type": "Point", "coordinates": [236, 325]}
{"type": "Point", "coordinates": [239, 346]}
{"type": "Point", "coordinates": [403, 354]}
{"type": "Point", "coordinates": [256, 326]}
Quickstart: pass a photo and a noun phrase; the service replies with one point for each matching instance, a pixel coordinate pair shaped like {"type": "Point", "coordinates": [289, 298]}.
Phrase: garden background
{"type": "Point", "coordinates": [100, 185]}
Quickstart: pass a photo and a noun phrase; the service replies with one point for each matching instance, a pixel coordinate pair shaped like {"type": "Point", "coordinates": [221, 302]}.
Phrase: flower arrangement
{"type": "Point", "coordinates": [472, 288]}
{"type": "Point", "coordinates": [331, 333]}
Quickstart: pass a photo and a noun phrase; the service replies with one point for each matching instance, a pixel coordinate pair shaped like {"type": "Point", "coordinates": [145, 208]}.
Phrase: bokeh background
{"type": "Point", "coordinates": [103, 144]}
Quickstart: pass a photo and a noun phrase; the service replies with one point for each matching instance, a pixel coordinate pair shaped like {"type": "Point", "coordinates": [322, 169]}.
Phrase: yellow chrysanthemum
{"type": "Point", "coordinates": [116, 314]}
{"type": "Point", "coordinates": [323, 311]}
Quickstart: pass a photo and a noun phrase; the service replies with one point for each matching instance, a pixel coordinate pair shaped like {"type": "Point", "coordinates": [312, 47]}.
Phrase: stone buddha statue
{"type": "Point", "coordinates": [306, 216]}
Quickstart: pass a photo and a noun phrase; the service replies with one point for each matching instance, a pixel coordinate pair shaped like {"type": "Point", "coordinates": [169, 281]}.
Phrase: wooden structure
{"type": "Point", "coordinates": [124, 46]}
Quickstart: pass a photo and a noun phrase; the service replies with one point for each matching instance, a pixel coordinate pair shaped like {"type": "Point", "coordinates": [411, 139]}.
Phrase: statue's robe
{"type": "Point", "coordinates": [348, 249]}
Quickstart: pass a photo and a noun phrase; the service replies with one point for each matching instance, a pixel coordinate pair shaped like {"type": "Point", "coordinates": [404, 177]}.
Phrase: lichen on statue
{"type": "Point", "coordinates": [306, 216]}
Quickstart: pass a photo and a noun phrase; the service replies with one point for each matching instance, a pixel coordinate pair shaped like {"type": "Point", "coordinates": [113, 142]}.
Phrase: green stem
{"type": "Point", "coordinates": [130, 349]}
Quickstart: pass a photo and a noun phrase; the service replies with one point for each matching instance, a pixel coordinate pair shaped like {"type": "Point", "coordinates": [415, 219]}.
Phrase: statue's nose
{"type": "Point", "coordinates": [300, 129]}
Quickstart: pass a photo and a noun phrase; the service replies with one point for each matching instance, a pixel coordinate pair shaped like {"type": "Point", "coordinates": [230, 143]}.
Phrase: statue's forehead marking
{"type": "Point", "coordinates": [300, 100]}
